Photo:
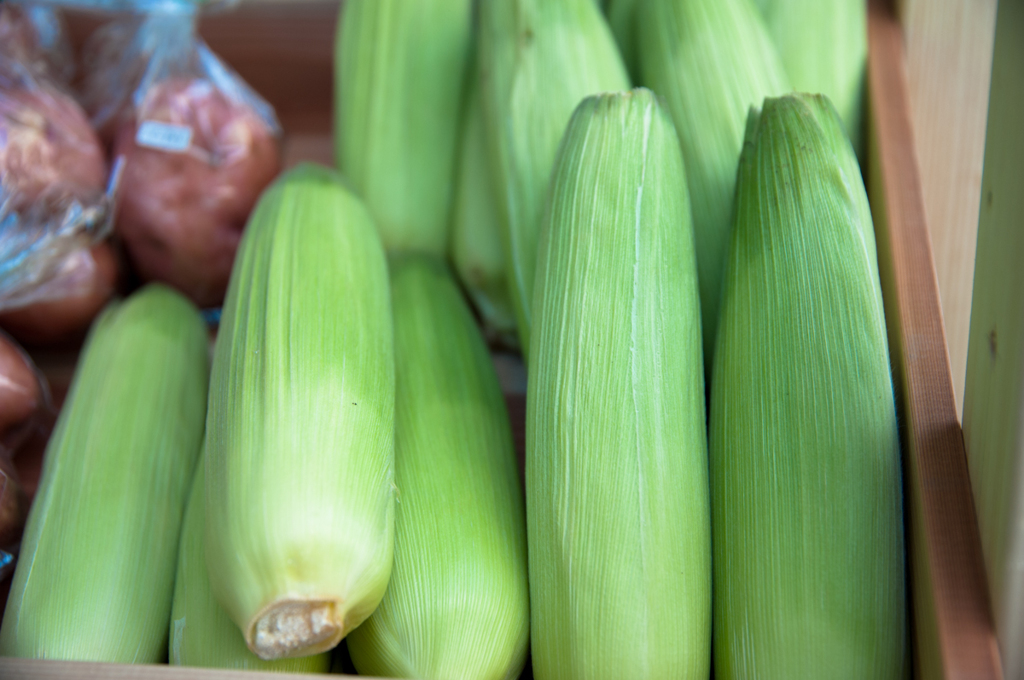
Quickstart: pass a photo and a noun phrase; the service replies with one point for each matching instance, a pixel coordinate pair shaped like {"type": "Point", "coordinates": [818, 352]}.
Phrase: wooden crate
{"type": "Point", "coordinates": [284, 51]}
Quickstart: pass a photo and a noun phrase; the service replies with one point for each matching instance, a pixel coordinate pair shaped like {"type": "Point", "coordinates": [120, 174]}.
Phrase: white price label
{"type": "Point", "coordinates": [164, 136]}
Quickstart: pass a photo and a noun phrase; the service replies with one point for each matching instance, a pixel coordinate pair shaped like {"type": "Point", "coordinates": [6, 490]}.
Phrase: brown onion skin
{"type": "Point", "coordinates": [65, 321]}
{"type": "Point", "coordinates": [181, 215]}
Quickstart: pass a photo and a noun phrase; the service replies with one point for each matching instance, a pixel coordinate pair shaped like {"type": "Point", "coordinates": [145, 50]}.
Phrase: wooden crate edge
{"type": "Point", "coordinates": [954, 634]}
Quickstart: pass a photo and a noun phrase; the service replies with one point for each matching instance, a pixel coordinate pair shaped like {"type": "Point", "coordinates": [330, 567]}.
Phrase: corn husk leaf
{"type": "Point", "coordinates": [805, 466]}
{"type": "Point", "coordinates": [711, 60]}
{"type": "Point", "coordinates": [476, 250]}
{"type": "Point", "coordinates": [458, 603]}
{"type": "Point", "coordinates": [622, 19]}
{"type": "Point", "coordinates": [202, 634]}
{"type": "Point", "coordinates": [616, 457]}
{"type": "Point", "coordinates": [96, 573]}
{"type": "Point", "coordinates": [400, 70]}
{"type": "Point", "coordinates": [300, 431]}
{"type": "Point", "coordinates": [538, 59]}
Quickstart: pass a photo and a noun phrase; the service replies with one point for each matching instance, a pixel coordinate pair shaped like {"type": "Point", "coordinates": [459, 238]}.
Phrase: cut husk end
{"type": "Point", "coordinates": [289, 628]}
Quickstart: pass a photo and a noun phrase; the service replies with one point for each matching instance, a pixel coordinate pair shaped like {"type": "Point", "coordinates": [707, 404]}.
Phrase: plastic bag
{"type": "Point", "coordinates": [143, 6]}
{"type": "Point", "coordinates": [199, 147]}
{"type": "Point", "coordinates": [55, 203]}
{"type": "Point", "coordinates": [34, 35]}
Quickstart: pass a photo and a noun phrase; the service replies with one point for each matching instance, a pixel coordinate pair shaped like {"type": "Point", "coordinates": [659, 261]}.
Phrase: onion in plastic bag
{"type": "Point", "coordinates": [53, 205]}
{"type": "Point", "coordinates": [46, 141]}
{"type": "Point", "coordinates": [21, 393]}
{"type": "Point", "coordinates": [61, 313]}
{"type": "Point", "coordinates": [199, 147]}
{"type": "Point", "coordinates": [181, 214]}
{"type": "Point", "coordinates": [24, 404]}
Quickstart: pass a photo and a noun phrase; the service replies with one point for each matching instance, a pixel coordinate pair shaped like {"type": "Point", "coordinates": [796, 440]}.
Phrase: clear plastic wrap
{"type": "Point", "coordinates": [54, 199]}
{"type": "Point", "coordinates": [199, 147]}
{"type": "Point", "coordinates": [143, 6]}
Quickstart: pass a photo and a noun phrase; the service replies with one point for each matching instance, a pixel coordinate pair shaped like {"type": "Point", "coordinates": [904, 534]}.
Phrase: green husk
{"type": "Point", "coordinates": [400, 71]}
{"type": "Point", "coordinates": [202, 634]}
{"type": "Point", "coordinates": [616, 457]}
{"type": "Point", "coordinates": [711, 60]}
{"type": "Point", "coordinates": [300, 430]}
{"type": "Point", "coordinates": [824, 48]}
{"type": "Point", "coordinates": [476, 250]}
{"type": "Point", "coordinates": [96, 573]}
{"type": "Point", "coordinates": [622, 19]}
{"type": "Point", "coordinates": [458, 602]}
{"type": "Point", "coordinates": [538, 59]}
{"type": "Point", "coordinates": [805, 463]}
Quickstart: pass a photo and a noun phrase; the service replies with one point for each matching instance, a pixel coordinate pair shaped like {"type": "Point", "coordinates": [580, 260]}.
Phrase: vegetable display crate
{"type": "Point", "coordinates": [284, 50]}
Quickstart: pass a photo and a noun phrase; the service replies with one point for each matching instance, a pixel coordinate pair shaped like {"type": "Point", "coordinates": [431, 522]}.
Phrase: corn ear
{"type": "Point", "coordinates": [616, 458]}
{"type": "Point", "coordinates": [202, 634]}
{"type": "Point", "coordinates": [458, 602]}
{"type": "Point", "coordinates": [538, 59]}
{"type": "Point", "coordinates": [805, 483]}
{"type": "Point", "coordinates": [476, 250]}
{"type": "Point", "coordinates": [96, 573]}
{"type": "Point", "coordinates": [711, 60]}
{"type": "Point", "coordinates": [824, 47]}
{"type": "Point", "coordinates": [400, 69]}
{"type": "Point", "coordinates": [300, 429]}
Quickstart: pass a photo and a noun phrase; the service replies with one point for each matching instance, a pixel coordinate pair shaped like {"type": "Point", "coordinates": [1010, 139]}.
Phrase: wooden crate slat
{"type": "Point", "coordinates": [948, 51]}
{"type": "Point", "coordinates": [993, 416]}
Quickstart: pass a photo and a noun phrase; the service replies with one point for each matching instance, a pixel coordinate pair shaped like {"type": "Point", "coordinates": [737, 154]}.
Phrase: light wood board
{"type": "Point", "coordinates": [994, 400]}
{"type": "Point", "coordinates": [948, 51]}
